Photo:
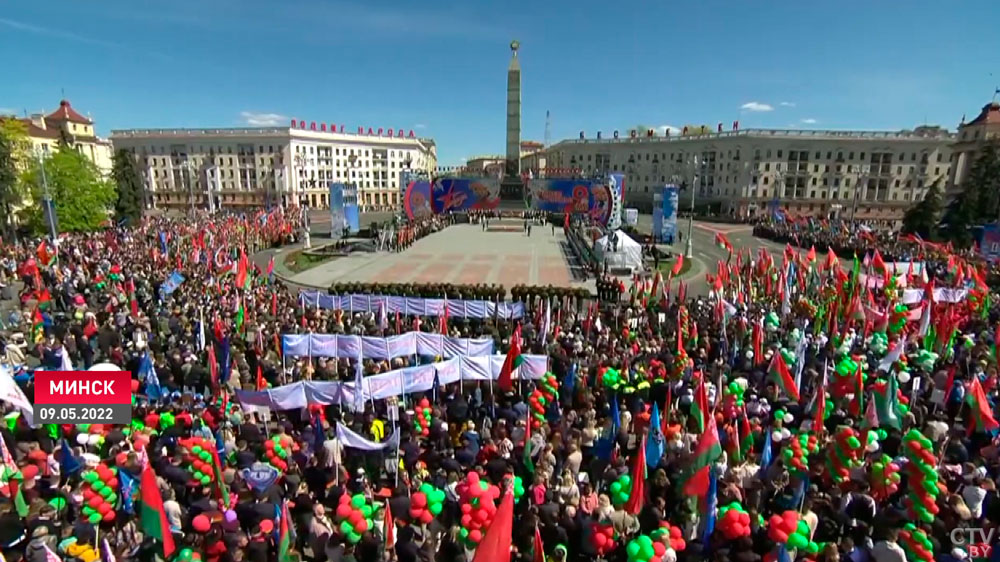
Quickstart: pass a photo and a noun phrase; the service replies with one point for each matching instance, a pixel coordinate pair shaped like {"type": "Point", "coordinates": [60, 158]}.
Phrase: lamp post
{"type": "Point", "coordinates": [48, 207]}
{"type": "Point", "coordinates": [186, 169]}
{"type": "Point", "coordinates": [688, 250]}
{"type": "Point", "coordinates": [862, 182]}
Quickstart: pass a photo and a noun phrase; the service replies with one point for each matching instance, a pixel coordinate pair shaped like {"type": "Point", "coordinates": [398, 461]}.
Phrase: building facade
{"type": "Point", "coordinates": [253, 167]}
{"type": "Point", "coordinates": [969, 142]}
{"type": "Point", "coordinates": [65, 124]}
{"type": "Point", "coordinates": [872, 175]}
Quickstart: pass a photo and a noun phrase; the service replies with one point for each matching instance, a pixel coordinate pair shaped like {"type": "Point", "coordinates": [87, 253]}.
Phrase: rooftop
{"type": "Point", "coordinates": [254, 132]}
{"type": "Point", "coordinates": [67, 113]}
{"type": "Point", "coordinates": [921, 133]}
{"type": "Point", "coordinates": [989, 116]}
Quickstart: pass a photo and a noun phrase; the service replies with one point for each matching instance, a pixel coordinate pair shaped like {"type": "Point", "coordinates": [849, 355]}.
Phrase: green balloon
{"type": "Point", "coordinates": [59, 503]}
{"type": "Point", "coordinates": [205, 479]}
{"type": "Point", "coordinates": [353, 537]}
{"type": "Point", "coordinates": [463, 532]}
{"type": "Point", "coordinates": [795, 540]}
{"type": "Point", "coordinates": [206, 456]}
{"type": "Point", "coordinates": [616, 487]}
{"type": "Point", "coordinates": [345, 527]}
{"type": "Point", "coordinates": [812, 548]}
{"type": "Point", "coordinates": [88, 511]}
{"type": "Point", "coordinates": [626, 480]}
{"type": "Point", "coordinates": [435, 508]}
{"type": "Point", "coordinates": [357, 501]}
{"type": "Point", "coordinates": [108, 493]}
{"type": "Point", "coordinates": [98, 486]}
{"type": "Point", "coordinates": [426, 488]}
{"type": "Point", "coordinates": [196, 450]}
{"type": "Point", "coordinates": [437, 496]}
{"type": "Point", "coordinates": [90, 476]}
{"type": "Point", "coordinates": [371, 524]}
{"type": "Point", "coordinates": [632, 549]}
{"type": "Point", "coordinates": [366, 510]}
{"type": "Point", "coordinates": [94, 518]}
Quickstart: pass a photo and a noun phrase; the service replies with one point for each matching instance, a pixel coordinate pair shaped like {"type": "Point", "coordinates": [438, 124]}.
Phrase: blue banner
{"type": "Point", "coordinates": [668, 213]}
{"type": "Point", "coordinates": [171, 284]}
{"type": "Point", "coordinates": [337, 219]}
{"type": "Point", "coordinates": [578, 196]}
{"type": "Point", "coordinates": [421, 200]}
{"type": "Point", "coordinates": [989, 244]}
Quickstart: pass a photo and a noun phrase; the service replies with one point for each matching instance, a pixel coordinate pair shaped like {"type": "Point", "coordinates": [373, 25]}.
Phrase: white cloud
{"type": "Point", "coordinates": [263, 119]}
{"type": "Point", "coordinates": [787, 104]}
{"type": "Point", "coordinates": [70, 36]}
{"type": "Point", "coordinates": [662, 129]}
{"type": "Point", "coordinates": [420, 126]}
{"type": "Point", "coordinates": [7, 111]}
{"type": "Point", "coordinates": [757, 106]}
{"type": "Point", "coordinates": [809, 121]}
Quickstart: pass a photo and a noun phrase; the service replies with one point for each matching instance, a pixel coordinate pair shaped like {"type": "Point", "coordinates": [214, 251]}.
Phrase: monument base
{"type": "Point", "coordinates": [512, 189]}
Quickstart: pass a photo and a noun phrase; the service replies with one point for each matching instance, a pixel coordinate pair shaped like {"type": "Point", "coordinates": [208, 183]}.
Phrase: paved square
{"type": "Point", "coordinates": [462, 254]}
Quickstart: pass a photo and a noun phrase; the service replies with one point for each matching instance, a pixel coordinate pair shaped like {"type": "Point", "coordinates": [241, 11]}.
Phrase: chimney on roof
{"type": "Point", "coordinates": [38, 120]}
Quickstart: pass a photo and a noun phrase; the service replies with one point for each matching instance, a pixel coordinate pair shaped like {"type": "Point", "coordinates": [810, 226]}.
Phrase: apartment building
{"type": "Point", "coordinates": [252, 167]}
{"type": "Point", "coordinates": [969, 142]}
{"type": "Point", "coordinates": [874, 175]}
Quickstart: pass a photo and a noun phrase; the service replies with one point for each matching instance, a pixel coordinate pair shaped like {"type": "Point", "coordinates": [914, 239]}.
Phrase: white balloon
{"type": "Point", "coordinates": [105, 367]}
{"type": "Point", "coordinates": [93, 439]}
{"type": "Point", "coordinates": [776, 435]}
{"type": "Point", "coordinates": [788, 418]}
{"type": "Point", "coordinates": [82, 438]}
{"type": "Point", "coordinates": [872, 447]}
{"type": "Point", "coordinates": [749, 354]}
{"type": "Point", "coordinates": [785, 434]}
{"type": "Point", "coordinates": [903, 377]}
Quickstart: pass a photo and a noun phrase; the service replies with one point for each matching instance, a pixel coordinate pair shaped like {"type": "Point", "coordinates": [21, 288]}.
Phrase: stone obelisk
{"type": "Point", "coordinates": [512, 186]}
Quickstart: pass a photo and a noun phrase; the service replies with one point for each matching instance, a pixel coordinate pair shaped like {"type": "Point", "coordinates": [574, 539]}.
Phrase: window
{"type": "Point", "coordinates": [850, 156]}
{"type": "Point", "coordinates": [829, 155]}
{"type": "Point", "coordinates": [826, 182]}
{"type": "Point", "coordinates": [817, 155]}
{"type": "Point", "coordinates": [814, 181]}
{"type": "Point", "coordinates": [938, 156]}
{"type": "Point", "coordinates": [769, 153]}
{"type": "Point", "coordinates": [812, 194]}
{"type": "Point", "coordinates": [897, 183]}
{"type": "Point", "coordinates": [937, 170]}
{"type": "Point", "coordinates": [840, 156]}
{"type": "Point", "coordinates": [816, 168]}
{"type": "Point", "coordinates": [826, 168]}
{"type": "Point", "coordinates": [779, 154]}
{"type": "Point", "coordinates": [862, 156]}
{"type": "Point", "coordinates": [913, 157]}
{"type": "Point", "coordinates": [847, 182]}
{"type": "Point", "coordinates": [833, 195]}
{"type": "Point", "coordinates": [765, 180]}
{"type": "Point", "coordinates": [767, 166]}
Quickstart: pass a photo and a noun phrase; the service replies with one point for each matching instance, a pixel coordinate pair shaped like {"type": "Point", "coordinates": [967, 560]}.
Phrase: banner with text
{"type": "Point", "coordinates": [575, 196]}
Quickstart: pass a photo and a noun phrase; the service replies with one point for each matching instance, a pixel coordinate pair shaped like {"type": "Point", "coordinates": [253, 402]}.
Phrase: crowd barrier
{"type": "Point", "coordinates": [387, 385]}
{"type": "Point", "coordinates": [457, 308]}
{"type": "Point", "coordinates": [373, 347]}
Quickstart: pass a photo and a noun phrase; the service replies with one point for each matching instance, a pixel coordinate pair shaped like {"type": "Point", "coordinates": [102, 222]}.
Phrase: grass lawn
{"type": "Point", "coordinates": [299, 261]}
{"type": "Point", "coordinates": [667, 266]}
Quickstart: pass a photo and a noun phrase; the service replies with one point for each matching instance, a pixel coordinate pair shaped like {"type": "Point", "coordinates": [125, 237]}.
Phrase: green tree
{"type": "Point", "coordinates": [125, 174]}
{"type": "Point", "coordinates": [82, 198]}
{"type": "Point", "coordinates": [14, 145]}
{"type": "Point", "coordinates": [979, 201]}
{"type": "Point", "coordinates": [922, 218]}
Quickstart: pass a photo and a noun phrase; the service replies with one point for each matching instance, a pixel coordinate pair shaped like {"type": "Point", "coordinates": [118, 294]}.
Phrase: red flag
{"type": "Point", "coordinates": [398, 325]}
{"type": "Point", "coordinates": [443, 319]}
{"type": "Point", "coordinates": [539, 549]}
{"type": "Point", "coordinates": [274, 303]}
{"type": "Point", "coordinates": [982, 415]}
{"type": "Point", "coordinates": [152, 517]}
{"type": "Point", "coordinates": [505, 381]}
{"type": "Point", "coordinates": [495, 546]}
{"type": "Point", "coordinates": [390, 528]}
{"type": "Point", "coordinates": [241, 270]}
{"type": "Point", "coordinates": [133, 304]}
{"type": "Point", "coordinates": [213, 366]}
{"type": "Point", "coordinates": [678, 265]}
{"type": "Point", "coordinates": [637, 497]}
{"type": "Point", "coordinates": [877, 262]}
{"type": "Point", "coordinates": [261, 383]}
{"type": "Point", "coordinates": [270, 266]}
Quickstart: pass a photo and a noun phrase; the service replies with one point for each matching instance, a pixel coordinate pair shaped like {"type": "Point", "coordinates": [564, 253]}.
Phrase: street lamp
{"type": "Point", "coordinates": [688, 250]}
{"type": "Point", "coordinates": [186, 168]}
{"type": "Point", "coordinates": [47, 206]}
{"type": "Point", "coordinates": [862, 182]}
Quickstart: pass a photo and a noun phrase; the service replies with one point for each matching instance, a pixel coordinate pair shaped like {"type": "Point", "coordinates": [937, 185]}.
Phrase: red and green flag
{"type": "Point", "coordinates": [699, 406]}
{"type": "Point", "coordinates": [242, 276]}
{"type": "Point", "coordinates": [746, 436]}
{"type": "Point", "coordinates": [37, 326]}
{"type": "Point", "coordinates": [887, 403]}
{"type": "Point", "coordinates": [240, 316]}
{"type": "Point", "coordinates": [223, 491]}
{"type": "Point", "coordinates": [722, 242]}
{"type": "Point", "coordinates": [152, 517]}
{"type": "Point", "coordinates": [511, 362]}
{"type": "Point", "coordinates": [982, 413]}
{"type": "Point", "coordinates": [286, 533]}
{"type": "Point", "coordinates": [779, 372]}
{"type": "Point", "coordinates": [707, 451]}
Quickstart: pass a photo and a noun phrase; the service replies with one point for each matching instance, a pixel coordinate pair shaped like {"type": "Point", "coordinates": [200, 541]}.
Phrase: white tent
{"type": "Point", "coordinates": [619, 252]}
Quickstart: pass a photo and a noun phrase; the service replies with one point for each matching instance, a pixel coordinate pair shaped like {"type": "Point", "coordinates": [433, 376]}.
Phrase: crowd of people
{"type": "Point", "coordinates": [808, 408]}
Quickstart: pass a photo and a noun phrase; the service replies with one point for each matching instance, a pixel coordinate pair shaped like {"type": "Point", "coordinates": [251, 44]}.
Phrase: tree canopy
{"type": "Point", "coordinates": [126, 176]}
{"type": "Point", "coordinates": [922, 218]}
{"type": "Point", "coordinates": [82, 198]}
{"type": "Point", "coordinates": [979, 201]}
{"type": "Point", "coordinates": [14, 146]}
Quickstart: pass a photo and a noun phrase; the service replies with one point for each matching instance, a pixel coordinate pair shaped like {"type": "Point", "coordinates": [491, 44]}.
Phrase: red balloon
{"type": "Point", "coordinates": [425, 403]}
{"type": "Point", "coordinates": [475, 536]}
{"type": "Point", "coordinates": [481, 515]}
{"type": "Point", "coordinates": [344, 509]}
{"type": "Point", "coordinates": [95, 502]}
{"type": "Point", "coordinates": [355, 518]}
{"type": "Point", "coordinates": [113, 483]}
{"type": "Point", "coordinates": [418, 500]}
{"type": "Point", "coordinates": [659, 548]}
{"type": "Point", "coordinates": [104, 508]}
{"type": "Point", "coordinates": [201, 523]}
{"type": "Point", "coordinates": [362, 526]}
{"type": "Point", "coordinates": [426, 517]}
{"type": "Point", "coordinates": [466, 521]}
{"type": "Point", "coordinates": [88, 493]}
{"type": "Point", "coordinates": [269, 445]}
{"type": "Point", "coordinates": [466, 508]}
{"type": "Point", "coordinates": [109, 516]}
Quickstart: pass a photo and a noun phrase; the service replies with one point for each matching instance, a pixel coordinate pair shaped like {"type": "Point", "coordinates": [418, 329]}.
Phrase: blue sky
{"type": "Point", "coordinates": [440, 68]}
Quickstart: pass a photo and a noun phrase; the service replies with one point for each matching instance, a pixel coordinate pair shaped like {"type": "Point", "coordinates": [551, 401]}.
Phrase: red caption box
{"type": "Point", "coordinates": [98, 388]}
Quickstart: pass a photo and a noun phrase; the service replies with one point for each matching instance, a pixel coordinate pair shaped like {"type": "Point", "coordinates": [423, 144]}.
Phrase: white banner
{"type": "Point", "coordinates": [12, 394]}
{"type": "Point", "coordinates": [374, 347]}
{"type": "Point", "coordinates": [349, 438]}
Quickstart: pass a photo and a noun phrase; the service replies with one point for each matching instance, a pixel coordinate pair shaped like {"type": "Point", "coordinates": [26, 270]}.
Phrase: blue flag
{"type": "Point", "coordinates": [569, 383]}
{"type": "Point", "coordinates": [552, 411]}
{"type": "Point", "coordinates": [147, 374]}
{"type": "Point", "coordinates": [163, 242]}
{"type": "Point", "coordinates": [68, 464]}
{"type": "Point", "coordinates": [710, 502]}
{"type": "Point", "coordinates": [127, 482]}
{"type": "Point", "coordinates": [783, 554]}
{"type": "Point", "coordinates": [220, 446]}
{"type": "Point", "coordinates": [800, 492]}
{"type": "Point", "coordinates": [606, 444]}
{"type": "Point", "coordinates": [318, 436]}
{"type": "Point", "coordinates": [765, 455]}
{"type": "Point", "coordinates": [655, 441]}
{"type": "Point", "coordinates": [437, 385]}
{"type": "Point", "coordinates": [224, 360]}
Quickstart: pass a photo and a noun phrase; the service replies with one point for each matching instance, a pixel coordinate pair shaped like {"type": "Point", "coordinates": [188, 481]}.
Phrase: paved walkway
{"type": "Point", "coordinates": [461, 254]}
